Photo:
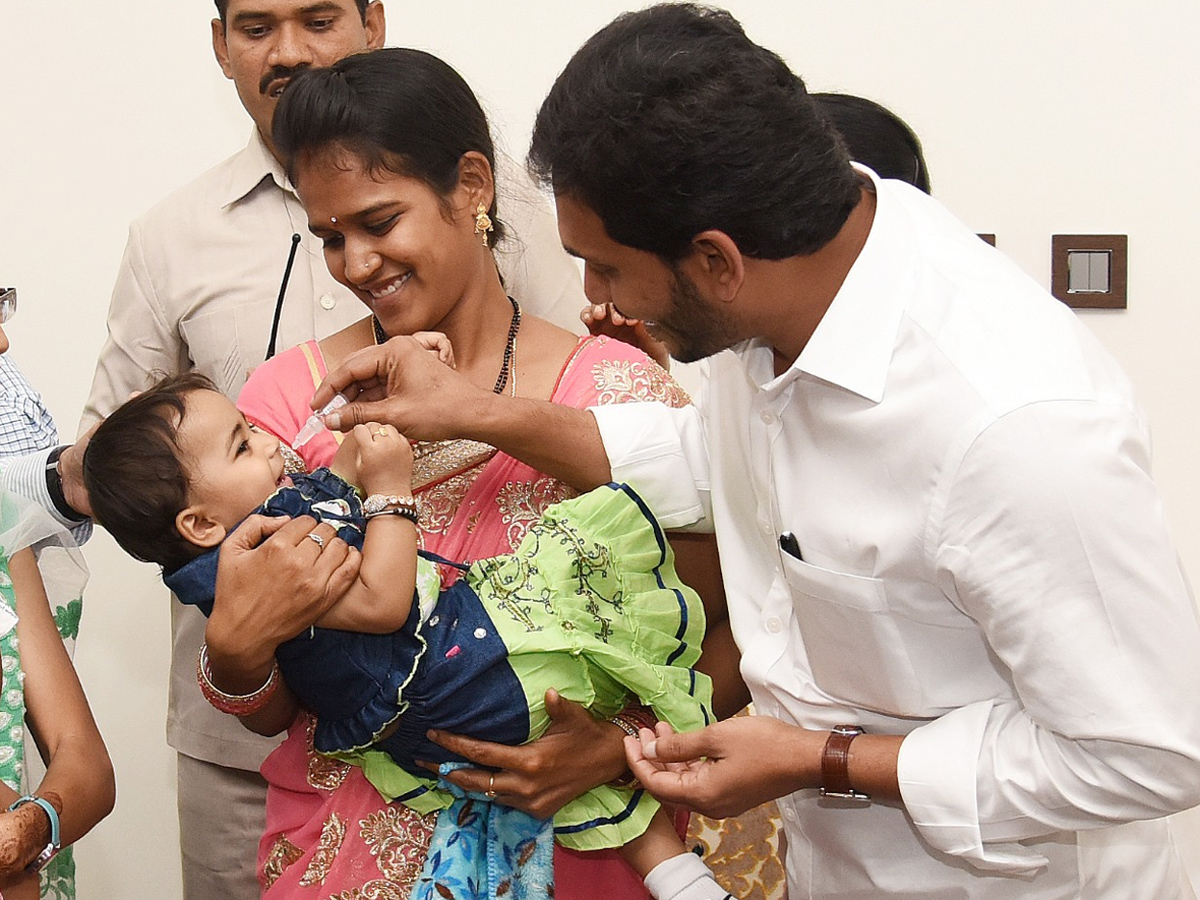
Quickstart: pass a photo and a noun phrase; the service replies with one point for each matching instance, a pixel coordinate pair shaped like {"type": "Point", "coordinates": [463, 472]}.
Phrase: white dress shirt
{"type": "Point", "coordinates": [197, 289]}
{"type": "Point", "coordinates": [985, 568]}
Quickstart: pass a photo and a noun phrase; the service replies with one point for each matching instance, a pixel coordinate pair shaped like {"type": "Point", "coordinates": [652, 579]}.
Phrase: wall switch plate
{"type": "Point", "coordinates": [1090, 271]}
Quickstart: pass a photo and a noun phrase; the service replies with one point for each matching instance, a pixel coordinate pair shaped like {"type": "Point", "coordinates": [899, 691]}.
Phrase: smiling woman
{"type": "Point", "coordinates": [392, 156]}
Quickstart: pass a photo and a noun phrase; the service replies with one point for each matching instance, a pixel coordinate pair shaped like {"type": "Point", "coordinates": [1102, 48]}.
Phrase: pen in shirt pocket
{"type": "Point", "coordinates": [789, 545]}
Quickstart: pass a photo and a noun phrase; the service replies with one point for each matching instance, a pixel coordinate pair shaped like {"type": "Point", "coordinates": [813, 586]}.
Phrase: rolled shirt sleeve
{"type": "Point", "coordinates": [660, 453]}
{"type": "Point", "coordinates": [1053, 540]}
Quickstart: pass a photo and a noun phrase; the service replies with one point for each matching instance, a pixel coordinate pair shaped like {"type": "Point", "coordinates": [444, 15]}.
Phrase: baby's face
{"type": "Point", "coordinates": [232, 467]}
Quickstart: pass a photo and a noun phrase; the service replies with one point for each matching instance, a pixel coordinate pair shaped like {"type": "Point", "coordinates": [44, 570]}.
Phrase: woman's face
{"type": "Point", "coordinates": [408, 254]}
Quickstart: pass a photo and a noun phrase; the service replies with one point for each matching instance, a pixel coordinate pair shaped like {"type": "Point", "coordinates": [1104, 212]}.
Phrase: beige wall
{"type": "Point", "coordinates": [1037, 117]}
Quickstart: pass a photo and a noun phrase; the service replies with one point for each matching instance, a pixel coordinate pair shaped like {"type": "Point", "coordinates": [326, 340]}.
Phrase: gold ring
{"type": "Point", "coordinates": [490, 793]}
{"type": "Point", "coordinates": [316, 539]}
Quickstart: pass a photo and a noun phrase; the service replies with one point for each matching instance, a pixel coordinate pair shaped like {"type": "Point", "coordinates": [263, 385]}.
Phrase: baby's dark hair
{"type": "Point", "coordinates": [135, 478]}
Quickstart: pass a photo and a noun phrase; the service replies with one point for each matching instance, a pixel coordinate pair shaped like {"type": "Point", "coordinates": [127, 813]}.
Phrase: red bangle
{"type": "Point", "coordinates": [234, 704]}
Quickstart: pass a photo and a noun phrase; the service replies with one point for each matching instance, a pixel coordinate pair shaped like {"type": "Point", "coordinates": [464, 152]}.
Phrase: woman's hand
{"type": "Point", "coordinates": [271, 590]}
{"type": "Point", "coordinates": [23, 834]}
{"type": "Point", "coordinates": [577, 753]}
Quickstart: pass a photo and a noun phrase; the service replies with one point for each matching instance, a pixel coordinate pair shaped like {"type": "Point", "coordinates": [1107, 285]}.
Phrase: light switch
{"type": "Point", "coordinates": [1090, 271]}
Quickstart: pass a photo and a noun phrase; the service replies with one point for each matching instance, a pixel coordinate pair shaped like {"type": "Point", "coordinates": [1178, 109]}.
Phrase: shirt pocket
{"type": "Point", "coordinates": [227, 342]}
{"type": "Point", "coordinates": [855, 647]}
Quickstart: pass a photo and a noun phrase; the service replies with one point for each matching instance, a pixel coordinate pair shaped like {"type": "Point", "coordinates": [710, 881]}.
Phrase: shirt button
{"type": "Point", "coordinates": [789, 813]}
{"type": "Point", "coordinates": [481, 633]}
{"type": "Point", "coordinates": [433, 620]}
{"type": "Point", "coordinates": [328, 301]}
{"type": "Point", "coordinates": [767, 416]}
{"type": "Point", "coordinates": [765, 527]}
{"type": "Point", "coordinates": [774, 625]}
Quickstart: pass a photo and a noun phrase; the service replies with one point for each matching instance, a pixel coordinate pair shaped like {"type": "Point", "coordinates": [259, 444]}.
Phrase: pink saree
{"type": "Point", "coordinates": [329, 834]}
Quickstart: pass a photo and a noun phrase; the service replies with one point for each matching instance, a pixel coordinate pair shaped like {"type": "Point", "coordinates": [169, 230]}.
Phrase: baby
{"type": "Point", "coordinates": [588, 604]}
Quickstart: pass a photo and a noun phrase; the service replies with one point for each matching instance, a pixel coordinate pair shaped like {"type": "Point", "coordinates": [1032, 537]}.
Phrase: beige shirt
{"type": "Point", "coordinates": [197, 290]}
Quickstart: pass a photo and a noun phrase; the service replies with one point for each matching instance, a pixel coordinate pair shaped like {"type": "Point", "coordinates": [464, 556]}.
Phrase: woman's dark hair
{"type": "Point", "coordinates": [223, 6]}
{"type": "Point", "coordinates": [398, 110]}
{"type": "Point", "coordinates": [877, 137]}
{"type": "Point", "coordinates": [670, 121]}
{"type": "Point", "coordinates": [135, 479]}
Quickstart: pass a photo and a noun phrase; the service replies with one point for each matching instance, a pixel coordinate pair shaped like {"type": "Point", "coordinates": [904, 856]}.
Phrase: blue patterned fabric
{"type": "Point", "coordinates": [450, 672]}
{"type": "Point", "coordinates": [482, 849]}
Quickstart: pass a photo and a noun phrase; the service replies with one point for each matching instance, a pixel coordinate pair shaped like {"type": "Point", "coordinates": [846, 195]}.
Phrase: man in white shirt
{"type": "Point", "coordinates": [973, 653]}
{"type": "Point", "coordinates": [198, 289]}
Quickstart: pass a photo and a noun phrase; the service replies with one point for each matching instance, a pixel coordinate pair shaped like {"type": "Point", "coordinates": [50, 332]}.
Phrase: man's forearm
{"type": "Point", "coordinates": [560, 441]}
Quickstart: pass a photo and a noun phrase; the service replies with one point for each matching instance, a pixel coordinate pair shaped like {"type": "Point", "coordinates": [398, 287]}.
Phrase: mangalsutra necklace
{"type": "Point", "coordinates": [510, 347]}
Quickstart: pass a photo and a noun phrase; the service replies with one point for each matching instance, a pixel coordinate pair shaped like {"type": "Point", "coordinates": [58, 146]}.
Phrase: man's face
{"type": "Point", "coordinates": [640, 285]}
{"type": "Point", "coordinates": [263, 43]}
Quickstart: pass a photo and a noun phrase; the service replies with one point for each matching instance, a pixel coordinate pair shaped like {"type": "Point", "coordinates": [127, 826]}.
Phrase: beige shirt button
{"type": "Point", "coordinates": [328, 301]}
{"type": "Point", "coordinates": [774, 625]}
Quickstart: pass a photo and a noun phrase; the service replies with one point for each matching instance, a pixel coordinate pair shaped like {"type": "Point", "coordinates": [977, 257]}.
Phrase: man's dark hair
{"type": "Point", "coordinates": [877, 137]}
{"type": "Point", "coordinates": [223, 5]}
{"type": "Point", "coordinates": [135, 479]}
{"type": "Point", "coordinates": [670, 121]}
{"type": "Point", "coordinates": [399, 110]}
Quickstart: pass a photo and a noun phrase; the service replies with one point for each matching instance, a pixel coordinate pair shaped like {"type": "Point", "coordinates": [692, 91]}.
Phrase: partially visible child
{"type": "Point", "coordinates": [588, 604]}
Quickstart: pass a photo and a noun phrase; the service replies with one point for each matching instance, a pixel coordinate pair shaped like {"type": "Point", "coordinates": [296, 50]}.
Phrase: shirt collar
{"type": "Point", "coordinates": [853, 343]}
{"type": "Point", "coordinates": [250, 168]}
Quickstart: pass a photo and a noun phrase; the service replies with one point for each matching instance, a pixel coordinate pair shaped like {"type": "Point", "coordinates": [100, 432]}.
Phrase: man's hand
{"type": "Point", "coordinates": [70, 473]}
{"type": "Point", "coordinates": [403, 384]}
{"type": "Point", "coordinates": [735, 765]}
{"type": "Point", "coordinates": [726, 768]}
{"type": "Point", "coordinates": [577, 753]}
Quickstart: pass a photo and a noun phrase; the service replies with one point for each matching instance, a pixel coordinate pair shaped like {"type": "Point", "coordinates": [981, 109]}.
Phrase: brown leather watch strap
{"type": "Point", "coordinates": [835, 764]}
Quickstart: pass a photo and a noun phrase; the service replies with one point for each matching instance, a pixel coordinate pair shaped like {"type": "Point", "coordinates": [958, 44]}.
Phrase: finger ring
{"type": "Point", "coordinates": [382, 432]}
{"type": "Point", "coordinates": [316, 539]}
{"type": "Point", "coordinates": [490, 793]}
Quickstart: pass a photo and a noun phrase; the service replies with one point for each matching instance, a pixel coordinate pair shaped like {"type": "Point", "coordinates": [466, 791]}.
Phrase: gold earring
{"type": "Point", "coordinates": [483, 223]}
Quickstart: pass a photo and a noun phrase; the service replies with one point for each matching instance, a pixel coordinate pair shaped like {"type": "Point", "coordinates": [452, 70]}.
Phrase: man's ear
{"type": "Point", "coordinates": [376, 25]}
{"type": "Point", "coordinates": [221, 47]}
{"type": "Point", "coordinates": [197, 528]}
{"type": "Point", "coordinates": [716, 263]}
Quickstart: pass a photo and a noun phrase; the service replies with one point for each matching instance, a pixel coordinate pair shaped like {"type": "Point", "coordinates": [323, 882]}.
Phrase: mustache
{"type": "Point", "coordinates": [278, 72]}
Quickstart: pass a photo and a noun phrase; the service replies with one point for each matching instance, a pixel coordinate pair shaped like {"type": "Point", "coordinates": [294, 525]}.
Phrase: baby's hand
{"type": "Point", "coordinates": [345, 461]}
{"type": "Point", "coordinates": [385, 459]}
{"type": "Point", "coordinates": [438, 344]}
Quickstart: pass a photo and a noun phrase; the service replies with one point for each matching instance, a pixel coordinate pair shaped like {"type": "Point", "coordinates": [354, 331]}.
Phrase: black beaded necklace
{"type": "Point", "coordinates": [510, 345]}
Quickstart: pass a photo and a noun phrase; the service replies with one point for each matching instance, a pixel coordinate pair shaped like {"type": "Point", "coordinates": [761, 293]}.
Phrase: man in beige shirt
{"type": "Point", "coordinates": [197, 290]}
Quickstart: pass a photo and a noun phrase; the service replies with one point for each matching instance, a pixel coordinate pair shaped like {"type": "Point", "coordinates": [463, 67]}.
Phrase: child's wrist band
{"type": "Point", "coordinates": [234, 704]}
{"type": "Point", "coordinates": [392, 505]}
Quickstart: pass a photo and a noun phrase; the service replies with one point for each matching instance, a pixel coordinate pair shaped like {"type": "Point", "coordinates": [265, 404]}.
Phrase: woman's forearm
{"type": "Point", "coordinates": [78, 767]}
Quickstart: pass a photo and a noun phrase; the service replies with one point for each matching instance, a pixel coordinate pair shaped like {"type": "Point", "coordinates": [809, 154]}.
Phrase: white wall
{"type": "Point", "coordinates": [1037, 117]}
